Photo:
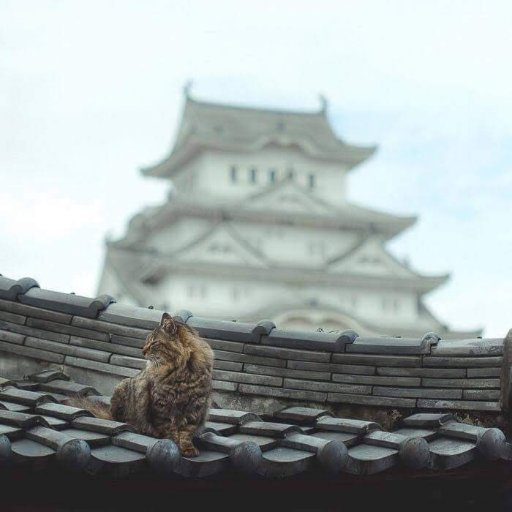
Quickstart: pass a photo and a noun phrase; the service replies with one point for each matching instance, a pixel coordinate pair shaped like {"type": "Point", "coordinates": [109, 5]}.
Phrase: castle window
{"type": "Point", "coordinates": [252, 175]}
{"type": "Point", "coordinates": [290, 174]}
{"type": "Point", "coordinates": [151, 280]}
{"type": "Point", "coordinates": [311, 181]}
{"type": "Point", "coordinates": [233, 173]}
{"type": "Point", "coordinates": [272, 174]}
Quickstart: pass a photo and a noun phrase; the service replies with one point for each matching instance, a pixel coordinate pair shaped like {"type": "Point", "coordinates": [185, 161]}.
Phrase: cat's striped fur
{"type": "Point", "coordinates": [170, 397]}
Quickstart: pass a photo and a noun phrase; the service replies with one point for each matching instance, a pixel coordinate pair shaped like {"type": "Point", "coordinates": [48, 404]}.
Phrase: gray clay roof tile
{"type": "Point", "coordinates": [289, 442]}
{"type": "Point", "coordinates": [312, 372]}
{"type": "Point", "coordinates": [11, 289]}
{"type": "Point", "coordinates": [64, 302]}
{"type": "Point", "coordinates": [258, 359]}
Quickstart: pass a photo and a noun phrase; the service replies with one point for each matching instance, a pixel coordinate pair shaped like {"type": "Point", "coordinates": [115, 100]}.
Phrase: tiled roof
{"type": "Point", "coordinates": [36, 428]}
{"type": "Point", "coordinates": [232, 128]}
{"type": "Point", "coordinates": [258, 361]}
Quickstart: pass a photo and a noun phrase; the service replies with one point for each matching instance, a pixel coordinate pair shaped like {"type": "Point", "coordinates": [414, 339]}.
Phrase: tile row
{"type": "Point", "coordinates": [36, 427]}
{"type": "Point", "coordinates": [95, 316]}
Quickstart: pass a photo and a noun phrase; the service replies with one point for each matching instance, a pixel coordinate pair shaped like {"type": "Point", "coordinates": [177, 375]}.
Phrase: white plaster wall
{"type": "Point", "coordinates": [291, 246]}
{"type": "Point", "coordinates": [186, 178]}
{"type": "Point", "coordinates": [217, 245]}
{"type": "Point", "coordinates": [240, 299]}
{"type": "Point", "coordinates": [207, 178]}
{"type": "Point", "coordinates": [178, 234]}
{"type": "Point", "coordinates": [217, 297]}
{"type": "Point", "coordinates": [371, 259]}
{"type": "Point", "coordinates": [210, 173]}
{"type": "Point", "coordinates": [296, 246]}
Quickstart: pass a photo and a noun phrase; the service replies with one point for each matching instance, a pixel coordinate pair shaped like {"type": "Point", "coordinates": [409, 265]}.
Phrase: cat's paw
{"type": "Point", "coordinates": [189, 451]}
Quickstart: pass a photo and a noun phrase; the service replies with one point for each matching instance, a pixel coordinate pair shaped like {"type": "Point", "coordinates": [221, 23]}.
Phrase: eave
{"type": "Point", "coordinates": [349, 155]}
{"type": "Point", "coordinates": [352, 218]}
{"type": "Point", "coordinates": [302, 276]}
{"type": "Point", "coordinates": [203, 126]}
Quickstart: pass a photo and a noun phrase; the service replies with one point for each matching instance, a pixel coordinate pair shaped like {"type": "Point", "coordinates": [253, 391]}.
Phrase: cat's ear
{"type": "Point", "coordinates": [168, 324]}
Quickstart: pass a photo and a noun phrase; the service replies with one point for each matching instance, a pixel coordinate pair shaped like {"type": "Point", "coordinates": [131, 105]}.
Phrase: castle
{"type": "Point", "coordinates": [258, 225]}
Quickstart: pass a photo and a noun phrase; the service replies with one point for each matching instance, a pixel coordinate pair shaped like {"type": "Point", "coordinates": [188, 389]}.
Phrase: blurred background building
{"type": "Point", "coordinates": [257, 225]}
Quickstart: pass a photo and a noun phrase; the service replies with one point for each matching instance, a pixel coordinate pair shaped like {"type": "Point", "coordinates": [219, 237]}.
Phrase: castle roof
{"type": "Point", "coordinates": [245, 129]}
{"type": "Point", "coordinates": [282, 273]}
{"type": "Point", "coordinates": [348, 216]}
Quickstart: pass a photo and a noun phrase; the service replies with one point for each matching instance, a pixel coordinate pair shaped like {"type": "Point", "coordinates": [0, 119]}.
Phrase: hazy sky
{"type": "Point", "coordinates": [90, 91]}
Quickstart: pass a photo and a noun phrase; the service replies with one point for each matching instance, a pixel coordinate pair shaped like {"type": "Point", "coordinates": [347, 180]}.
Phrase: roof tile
{"type": "Point", "coordinates": [225, 330]}
{"type": "Point", "coordinates": [63, 412]}
{"type": "Point", "coordinates": [268, 429]}
{"type": "Point", "coordinates": [11, 289]}
{"type": "Point", "coordinates": [231, 416]}
{"type": "Point", "coordinates": [23, 397]}
{"type": "Point", "coordinates": [331, 342]}
{"type": "Point", "coordinates": [64, 302]}
{"type": "Point", "coordinates": [301, 415]}
{"type": "Point", "coordinates": [391, 346]}
{"type": "Point", "coordinates": [375, 372]}
{"type": "Point", "coordinates": [34, 312]}
{"type": "Point", "coordinates": [131, 316]}
{"type": "Point", "coordinates": [48, 376]}
{"type": "Point", "coordinates": [100, 425]}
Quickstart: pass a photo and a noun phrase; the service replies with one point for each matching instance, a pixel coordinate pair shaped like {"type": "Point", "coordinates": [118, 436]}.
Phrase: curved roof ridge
{"type": "Point", "coordinates": [27, 292]}
{"type": "Point", "coordinates": [320, 112]}
{"type": "Point", "coordinates": [241, 128]}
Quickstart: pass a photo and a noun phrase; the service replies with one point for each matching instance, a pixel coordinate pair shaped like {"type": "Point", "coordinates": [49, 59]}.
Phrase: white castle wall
{"type": "Point", "coordinates": [226, 298]}
{"type": "Point", "coordinates": [211, 174]}
{"type": "Point", "coordinates": [285, 181]}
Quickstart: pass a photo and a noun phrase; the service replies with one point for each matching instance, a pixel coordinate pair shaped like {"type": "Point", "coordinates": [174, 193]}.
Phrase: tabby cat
{"type": "Point", "coordinates": [170, 397]}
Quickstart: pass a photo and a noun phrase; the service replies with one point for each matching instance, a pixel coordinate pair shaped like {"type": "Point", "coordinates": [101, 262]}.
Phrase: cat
{"type": "Point", "coordinates": [170, 398]}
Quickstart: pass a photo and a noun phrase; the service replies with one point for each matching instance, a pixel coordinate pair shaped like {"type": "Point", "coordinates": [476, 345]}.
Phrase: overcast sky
{"type": "Point", "coordinates": [91, 91]}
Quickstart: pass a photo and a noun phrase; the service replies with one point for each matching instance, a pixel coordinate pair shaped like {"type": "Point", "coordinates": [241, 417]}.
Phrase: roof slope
{"type": "Point", "coordinates": [160, 264]}
{"type": "Point", "coordinates": [347, 216]}
{"type": "Point", "coordinates": [37, 427]}
{"type": "Point", "coordinates": [228, 127]}
{"type": "Point", "coordinates": [258, 361]}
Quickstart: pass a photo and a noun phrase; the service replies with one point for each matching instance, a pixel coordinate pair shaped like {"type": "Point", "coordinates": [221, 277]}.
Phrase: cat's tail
{"type": "Point", "coordinates": [98, 409]}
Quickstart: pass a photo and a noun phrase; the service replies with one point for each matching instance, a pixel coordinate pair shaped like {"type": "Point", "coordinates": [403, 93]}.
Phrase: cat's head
{"type": "Point", "coordinates": [165, 343]}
